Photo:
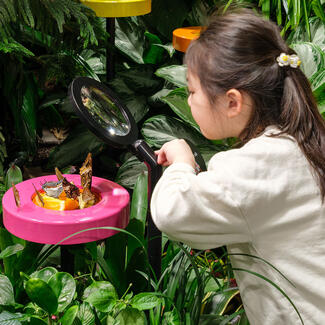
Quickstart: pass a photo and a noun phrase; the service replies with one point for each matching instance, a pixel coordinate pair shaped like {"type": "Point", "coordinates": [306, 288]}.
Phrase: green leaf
{"type": "Point", "coordinates": [13, 176]}
{"type": "Point", "coordinates": [7, 318]}
{"type": "Point", "coordinates": [131, 316]}
{"type": "Point", "coordinates": [64, 287]}
{"type": "Point", "coordinates": [69, 315]}
{"type": "Point", "coordinates": [221, 300]}
{"type": "Point", "coordinates": [176, 74]}
{"type": "Point", "coordinates": [129, 38]}
{"type": "Point", "coordinates": [154, 54]}
{"type": "Point", "coordinates": [129, 172]}
{"type": "Point", "coordinates": [42, 294]}
{"type": "Point", "coordinates": [139, 203]}
{"type": "Point", "coordinates": [85, 315]}
{"type": "Point", "coordinates": [177, 101]}
{"type": "Point", "coordinates": [171, 318]}
{"type": "Point", "coordinates": [6, 291]}
{"type": "Point", "coordinates": [11, 250]}
{"type": "Point", "coordinates": [161, 128]}
{"type": "Point", "coordinates": [312, 57]}
{"type": "Point", "coordinates": [73, 150]}
{"type": "Point", "coordinates": [101, 295]}
{"type": "Point", "coordinates": [141, 79]}
{"type": "Point", "coordinates": [44, 274]}
{"type": "Point", "coordinates": [169, 48]}
{"type": "Point", "coordinates": [145, 301]}
{"type": "Point", "coordinates": [136, 103]}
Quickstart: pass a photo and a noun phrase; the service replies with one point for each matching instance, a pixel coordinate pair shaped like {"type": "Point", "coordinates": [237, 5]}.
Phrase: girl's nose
{"type": "Point", "coordinates": [189, 100]}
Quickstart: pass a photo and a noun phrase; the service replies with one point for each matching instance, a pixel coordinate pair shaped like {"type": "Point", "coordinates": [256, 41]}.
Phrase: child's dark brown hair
{"type": "Point", "coordinates": [239, 50]}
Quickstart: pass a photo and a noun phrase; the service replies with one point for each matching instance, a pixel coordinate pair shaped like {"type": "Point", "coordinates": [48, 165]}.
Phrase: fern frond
{"type": "Point", "coordinates": [68, 22]}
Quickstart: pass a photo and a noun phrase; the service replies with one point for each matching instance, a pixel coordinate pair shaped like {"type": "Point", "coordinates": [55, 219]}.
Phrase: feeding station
{"type": "Point", "coordinates": [182, 37]}
{"type": "Point", "coordinates": [111, 9]}
{"type": "Point", "coordinates": [42, 225]}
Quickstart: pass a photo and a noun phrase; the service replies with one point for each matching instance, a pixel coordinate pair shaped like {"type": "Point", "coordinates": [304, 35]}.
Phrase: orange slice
{"type": "Point", "coordinates": [59, 204]}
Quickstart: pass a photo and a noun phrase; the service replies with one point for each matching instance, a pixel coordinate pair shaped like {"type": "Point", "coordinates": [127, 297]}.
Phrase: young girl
{"type": "Point", "coordinates": [266, 197]}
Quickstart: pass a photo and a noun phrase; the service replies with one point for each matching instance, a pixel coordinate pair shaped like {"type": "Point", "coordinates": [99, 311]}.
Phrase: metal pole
{"type": "Point", "coordinates": [147, 155]}
{"type": "Point", "coordinates": [110, 29]}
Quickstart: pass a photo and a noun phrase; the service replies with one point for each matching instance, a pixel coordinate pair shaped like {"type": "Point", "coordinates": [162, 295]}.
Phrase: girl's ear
{"type": "Point", "coordinates": [234, 103]}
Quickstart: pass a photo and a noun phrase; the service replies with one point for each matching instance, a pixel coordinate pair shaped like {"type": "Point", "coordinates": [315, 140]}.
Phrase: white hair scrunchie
{"type": "Point", "coordinates": [286, 59]}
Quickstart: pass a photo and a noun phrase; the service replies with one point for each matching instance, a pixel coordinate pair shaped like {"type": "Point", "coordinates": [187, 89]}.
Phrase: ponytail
{"type": "Point", "coordinates": [301, 119]}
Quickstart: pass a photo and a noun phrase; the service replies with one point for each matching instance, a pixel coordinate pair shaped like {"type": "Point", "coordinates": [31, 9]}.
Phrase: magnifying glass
{"type": "Point", "coordinates": [106, 116]}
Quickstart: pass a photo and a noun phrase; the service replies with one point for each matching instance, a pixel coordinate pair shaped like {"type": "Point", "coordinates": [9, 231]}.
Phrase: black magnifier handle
{"type": "Point", "coordinates": [147, 155]}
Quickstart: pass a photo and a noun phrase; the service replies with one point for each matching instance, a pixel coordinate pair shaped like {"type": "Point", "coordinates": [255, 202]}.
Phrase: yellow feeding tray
{"type": "Point", "coordinates": [182, 37]}
{"type": "Point", "coordinates": [119, 8]}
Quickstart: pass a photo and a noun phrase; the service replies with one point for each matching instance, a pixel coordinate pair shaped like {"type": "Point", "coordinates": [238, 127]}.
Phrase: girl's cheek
{"type": "Point", "coordinates": [189, 100]}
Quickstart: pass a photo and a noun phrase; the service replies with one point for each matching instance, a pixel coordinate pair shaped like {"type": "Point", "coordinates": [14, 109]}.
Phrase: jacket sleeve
{"type": "Point", "coordinates": [196, 209]}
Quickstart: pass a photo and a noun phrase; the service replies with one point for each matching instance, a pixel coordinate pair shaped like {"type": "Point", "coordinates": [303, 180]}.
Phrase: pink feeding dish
{"type": "Point", "coordinates": [45, 226]}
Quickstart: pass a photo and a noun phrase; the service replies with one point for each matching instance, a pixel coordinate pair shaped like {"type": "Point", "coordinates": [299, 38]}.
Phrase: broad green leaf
{"type": "Point", "coordinates": [144, 301]}
{"type": "Point", "coordinates": [13, 176]}
{"type": "Point", "coordinates": [84, 64]}
{"type": "Point", "coordinates": [139, 203]}
{"type": "Point", "coordinates": [312, 57]}
{"type": "Point", "coordinates": [138, 214]}
{"type": "Point", "coordinates": [176, 74]}
{"type": "Point", "coordinates": [44, 274]}
{"type": "Point", "coordinates": [155, 99]}
{"type": "Point", "coordinates": [131, 316]}
{"type": "Point", "coordinates": [69, 315]}
{"type": "Point", "coordinates": [75, 148]}
{"type": "Point", "coordinates": [136, 103]}
{"type": "Point", "coordinates": [42, 294]}
{"type": "Point", "coordinates": [101, 295]}
{"type": "Point", "coordinates": [129, 38]}
{"type": "Point", "coordinates": [6, 291]}
{"type": "Point", "coordinates": [141, 79]}
{"type": "Point", "coordinates": [64, 287]}
{"type": "Point", "coordinates": [154, 53]}
{"type": "Point", "coordinates": [177, 101]}
{"type": "Point", "coordinates": [129, 172]}
{"type": "Point", "coordinates": [85, 315]}
{"type": "Point", "coordinates": [171, 318]}
{"type": "Point", "coordinates": [11, 250]}
{"type": "Point", "coordinates": [161, 128]}
{"type": "Point", "coordinates": [169, 48]}
{"type": "Point", "coordinates": [7, 318]}
{"type": "Point", "coordinates": [221, 300]}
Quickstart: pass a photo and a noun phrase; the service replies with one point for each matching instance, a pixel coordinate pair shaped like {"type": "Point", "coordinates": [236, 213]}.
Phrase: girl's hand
{"type": "Point", "coordinates": [175, 151]}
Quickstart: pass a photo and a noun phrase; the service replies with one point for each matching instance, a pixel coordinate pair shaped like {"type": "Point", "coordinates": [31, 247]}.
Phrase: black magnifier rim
{"type": "Point", "coordinates": [94, 126]}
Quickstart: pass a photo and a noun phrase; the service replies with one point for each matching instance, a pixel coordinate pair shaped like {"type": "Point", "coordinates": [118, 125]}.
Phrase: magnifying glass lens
{"type": "Point", "coordinates": [104, 111]}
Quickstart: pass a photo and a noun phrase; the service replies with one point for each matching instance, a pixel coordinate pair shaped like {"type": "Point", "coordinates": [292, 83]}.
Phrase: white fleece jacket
{"type": "Point", "coordinates": [263, 200]}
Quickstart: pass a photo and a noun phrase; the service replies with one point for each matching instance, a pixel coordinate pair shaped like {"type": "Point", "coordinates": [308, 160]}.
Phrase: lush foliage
{"type": "Point", "coordinates": [45, 44]}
